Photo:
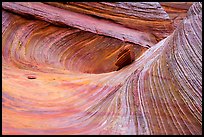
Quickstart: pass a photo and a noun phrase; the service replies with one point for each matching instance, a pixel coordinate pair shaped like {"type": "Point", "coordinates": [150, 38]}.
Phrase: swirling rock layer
{"type": "Point", "coordinates": [143, 16]}
{"type": "Point", "coordinates": [159, 93]}
{"type": "Point", "coordinates": [37, 44]}
{"type": "Point", "coordinates": [176, 10]}
{"type": "Point", "coordinates": [84, 22]}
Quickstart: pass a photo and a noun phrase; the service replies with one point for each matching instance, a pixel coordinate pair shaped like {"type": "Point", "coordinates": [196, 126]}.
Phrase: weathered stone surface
{"type": "Point", "coordinates": [66, 48]}
{"type": "Point", "coordinates": [160, 92]}
{"type": "Point", "coordinates": [84, 22]}
{"type": "Point", "coordinates": [143, 16]}
{"type": "Point", "coordinates": [176, 10]}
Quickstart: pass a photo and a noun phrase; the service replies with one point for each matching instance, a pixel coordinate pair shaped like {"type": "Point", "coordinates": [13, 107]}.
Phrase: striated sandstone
{"type": "Point", "coordinates": [80, 82]}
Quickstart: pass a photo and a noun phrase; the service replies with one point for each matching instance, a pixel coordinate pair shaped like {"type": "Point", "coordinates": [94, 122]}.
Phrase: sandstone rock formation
{"type": "Point", "coordinates": [61, 76]}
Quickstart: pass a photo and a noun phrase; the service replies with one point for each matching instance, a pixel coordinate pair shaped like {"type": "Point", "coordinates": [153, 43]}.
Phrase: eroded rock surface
{"type": "Point", "coordinates": [46, 88]}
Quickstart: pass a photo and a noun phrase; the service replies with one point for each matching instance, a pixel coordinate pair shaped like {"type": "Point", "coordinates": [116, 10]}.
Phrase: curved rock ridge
{"type": "Point", "coordinates": [38, 45]}
{"type": "Point", "coordinates": [177, 11]}
{"type": "Point", "coordinates": [146, 31]}
{"type": "Point", "coordinates": [160, 92]}
{"type": "Point", "coordinates": [143, 16]}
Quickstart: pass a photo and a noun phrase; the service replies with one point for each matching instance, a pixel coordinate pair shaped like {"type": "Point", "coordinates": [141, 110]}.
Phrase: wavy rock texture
{"type": "Point", "coordinates": [155, 21]}
{"type": "Point", "coordinates": [130, 14]}
{"type": "Point", "coordinates": [66, 48]}
{"type": "Point", "coordinates": [160, 92]}
{"type": "Point", "coordinates": [176, 10]}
